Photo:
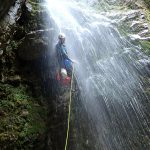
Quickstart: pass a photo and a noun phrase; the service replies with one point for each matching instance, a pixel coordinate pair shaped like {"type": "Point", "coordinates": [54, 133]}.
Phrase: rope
{"type": "Point", "coordinates": [69, 113]}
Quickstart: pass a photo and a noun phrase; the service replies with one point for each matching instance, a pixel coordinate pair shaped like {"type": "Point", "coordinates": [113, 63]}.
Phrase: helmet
{"type": "Point", "coordinates": [63, 73]}
{"type": "Point", "coordinates": [61, 36]}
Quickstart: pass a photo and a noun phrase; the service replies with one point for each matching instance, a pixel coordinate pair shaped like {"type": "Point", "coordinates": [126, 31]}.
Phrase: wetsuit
{"type": "Point", "coordinates": [61, 54]}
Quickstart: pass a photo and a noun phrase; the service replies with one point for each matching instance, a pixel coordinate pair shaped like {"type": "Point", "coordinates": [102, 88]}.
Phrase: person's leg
{"type": "Point", "coordinates": [69, 72]}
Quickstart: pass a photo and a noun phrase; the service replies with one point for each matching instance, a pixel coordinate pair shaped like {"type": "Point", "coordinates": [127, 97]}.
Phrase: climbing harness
{"type": "Point", "coordinates": [69, 113]}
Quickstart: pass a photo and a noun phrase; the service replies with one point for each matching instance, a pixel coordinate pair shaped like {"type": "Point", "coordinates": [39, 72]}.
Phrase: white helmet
{"type": "Point", "coordinates": [61, 36]}
{"type": "Point", "coordinates": [63, 73]}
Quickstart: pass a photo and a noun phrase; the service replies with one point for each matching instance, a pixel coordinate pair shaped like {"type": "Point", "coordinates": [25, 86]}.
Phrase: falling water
{"type": "Point", "coordinates": [109, 75]}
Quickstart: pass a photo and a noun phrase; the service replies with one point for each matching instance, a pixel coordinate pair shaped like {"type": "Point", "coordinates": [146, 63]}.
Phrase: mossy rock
{"type": "Point", "coordinates": [146, 46]}
{"type": "Point", "coordinates": [147, 2]}
{"type": "Point", "coordinates": [22, 119]}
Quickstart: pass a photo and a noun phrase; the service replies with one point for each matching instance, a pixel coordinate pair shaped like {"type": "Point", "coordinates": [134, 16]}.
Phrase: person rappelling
{"type": "Point", "coordinates": [65, 63]}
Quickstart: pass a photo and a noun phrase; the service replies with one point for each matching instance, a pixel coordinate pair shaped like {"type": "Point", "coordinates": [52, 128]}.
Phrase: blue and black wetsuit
{"type": "Point", "coordinates": [61, 54]}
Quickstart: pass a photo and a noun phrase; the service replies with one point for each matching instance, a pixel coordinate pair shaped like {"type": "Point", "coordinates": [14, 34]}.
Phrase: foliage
{"type": "Point", "coordinates": [106, 6]}
{"type": "Point", "coordinates": [146, 46]}
{"type": "Point", "coordinates": [147, 2]}
{"type": "Point", "coordinates": [124, 29]}
{"type": "Point", "coordinates": [22, 118]}
{"type": "Point", "coordinates": [147, 14]}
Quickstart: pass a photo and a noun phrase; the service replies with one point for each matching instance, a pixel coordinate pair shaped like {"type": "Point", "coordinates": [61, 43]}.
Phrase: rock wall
{"type": "Point", "coordinates": [4, 7]}
{"type": "Point", "coordinates": [24, 103]}
{"type": "Point", "coordinates": [33, 107]}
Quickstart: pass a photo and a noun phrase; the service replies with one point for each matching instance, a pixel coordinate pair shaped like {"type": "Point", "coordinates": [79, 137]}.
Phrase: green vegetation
{"type": "Point", "coordinates": [124, 29]}
{"type": "Point", "coordinates": [146, 46]}
{"type": "Point", "coordinates": [120, 5]}
{"type": "Point", "coordinates": [22, 118]}
{"type": "Point", "coordinates": [105, 6]}
{"type": "Point", "coordinates": [102, 6]}
{"type": "Point", "coordinates": [147, 2]}
{"type": "Point", "coordinates": [147, 14]}
{"type": "Point", "coordinates": [36, 6]}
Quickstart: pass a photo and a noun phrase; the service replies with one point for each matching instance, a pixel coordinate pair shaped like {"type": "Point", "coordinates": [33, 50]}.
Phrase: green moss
{"type": "Point", "coordinates": [107, 6]}
{"type": "Point", "coordinates": [124, 29]}
{"type": "Point", "coordinates": [147, 14]}
{"type": "Point", "coordinates": [36, 6]}
{"type": "Point", "coordinates": [146, 46]}
{"type": "Point", "coordinates": [102, 6]}
{"type": "Point", "coordinates": [22, 118]}
{"type": "Point", "coordinates": [147, 2]}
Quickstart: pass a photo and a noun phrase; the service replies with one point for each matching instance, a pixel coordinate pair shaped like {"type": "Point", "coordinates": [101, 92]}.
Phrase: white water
{"type": "Point", "coordinates": [108, 75]}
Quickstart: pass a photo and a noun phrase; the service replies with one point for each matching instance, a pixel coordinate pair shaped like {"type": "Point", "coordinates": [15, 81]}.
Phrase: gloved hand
{"type": "Point", "coordinates": [74, 61]}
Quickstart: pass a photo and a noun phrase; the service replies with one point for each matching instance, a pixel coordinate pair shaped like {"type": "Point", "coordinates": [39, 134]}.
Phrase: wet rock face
{"type": "Point", "coordinates": [35, 44]}
{"type": "Point", "coordinates": [4, 7]}
{"type": "Point", "coordinates": [21, 84]}
{"type": "Point", "coordinates": [134, 24]}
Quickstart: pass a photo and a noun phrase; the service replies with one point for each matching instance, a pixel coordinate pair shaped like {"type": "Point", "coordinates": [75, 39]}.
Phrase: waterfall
{"type": "Point", "coordinates": [109, 76]}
